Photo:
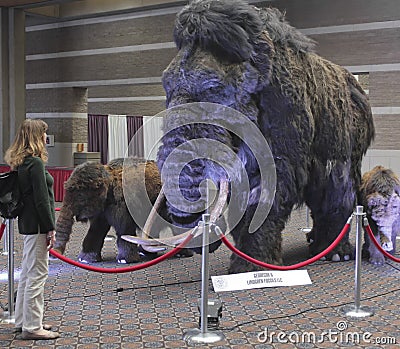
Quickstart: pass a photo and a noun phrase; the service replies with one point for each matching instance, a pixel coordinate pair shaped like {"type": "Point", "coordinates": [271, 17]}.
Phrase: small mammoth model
{"type": "Point", "coordinates": [94, 193]}
{"type": "Point", "coordinates": [380, 195]}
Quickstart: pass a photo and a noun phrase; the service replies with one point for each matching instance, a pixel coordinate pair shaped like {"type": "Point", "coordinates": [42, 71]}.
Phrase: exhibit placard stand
{"type": "Point", "coordinates": [356, 311]}
{"type": "Point", "coordinates": [8, 316]}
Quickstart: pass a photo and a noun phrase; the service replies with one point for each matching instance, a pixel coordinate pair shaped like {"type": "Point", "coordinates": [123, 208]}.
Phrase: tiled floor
{"type": "Point", "coordinates": [152, 308]}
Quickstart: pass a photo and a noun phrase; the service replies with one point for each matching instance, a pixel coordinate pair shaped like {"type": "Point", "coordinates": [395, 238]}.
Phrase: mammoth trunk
{"type": "Point", "coordinates": [64, 225]}
{"type": "Point", "coordinates": [188, 158]}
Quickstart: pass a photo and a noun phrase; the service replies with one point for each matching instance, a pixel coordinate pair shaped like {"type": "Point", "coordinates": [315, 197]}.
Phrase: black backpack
{"type": "Point", "coordinates": [10, 195]}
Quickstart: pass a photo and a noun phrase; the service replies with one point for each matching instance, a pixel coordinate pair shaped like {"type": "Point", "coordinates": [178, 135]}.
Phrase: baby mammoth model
{"type": "Point", "coordinates": [94, 193]}
{"type": "Point", "coordinates": [313, 114]}
{"type": "Point", "coordinates": [380, 195]}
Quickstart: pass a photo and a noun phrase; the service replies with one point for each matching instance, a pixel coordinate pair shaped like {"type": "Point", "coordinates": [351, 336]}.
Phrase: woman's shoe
{"type": "Point", "coordinates": [19, 329]}
{"type": "Point", "coordinates": [41, 334]}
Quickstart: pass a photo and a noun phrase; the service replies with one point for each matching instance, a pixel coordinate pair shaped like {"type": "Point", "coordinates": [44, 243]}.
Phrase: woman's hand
{"type": "Point", "coordinates": [51, 239]}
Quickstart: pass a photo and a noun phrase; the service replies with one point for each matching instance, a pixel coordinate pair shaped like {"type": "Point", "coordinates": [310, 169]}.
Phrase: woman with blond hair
{"type": "Point", "coordinates": [36, 223]}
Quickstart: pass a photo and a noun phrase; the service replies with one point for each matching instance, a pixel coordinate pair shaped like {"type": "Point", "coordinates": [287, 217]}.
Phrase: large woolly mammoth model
{"type": "Point", "coordinates": [313, 114]}
{"type": "Point", "coordinates": [380, 195]}
{"type": "Point", "coordinates": [94, 193]}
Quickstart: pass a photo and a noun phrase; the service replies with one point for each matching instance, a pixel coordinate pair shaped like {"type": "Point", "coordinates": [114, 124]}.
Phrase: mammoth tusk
{"type": "Point", "coordinates": [156, 243]}
{"type": "Point", "coordinates": [221, 202]}
{"type": "Point", "coordinates": [153, 249]}
{"type": "Point", "coordinates": [152, 215]}
{"type": "Point", "coordinates": [176, 240]}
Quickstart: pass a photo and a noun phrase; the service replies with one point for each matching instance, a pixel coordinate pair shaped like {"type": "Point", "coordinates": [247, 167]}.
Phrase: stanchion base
{"type": "Point", "coordinates": [196, 336]}
{"type": "Point", "coordinates": [352, 311]}
{"type": "Point", "coordinates": [7, 319]}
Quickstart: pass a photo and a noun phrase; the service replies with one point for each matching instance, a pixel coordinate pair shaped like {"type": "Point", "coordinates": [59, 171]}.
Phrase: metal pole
{"type": "Point", "coordinates": [11, 267]}
{"type": "Point", "coordinates": [357, 289]}
{"type": "Point", "coordinates": [205, 272]}
{"type": "Point", "coordinates": [5, 240]}
{"type": "Point", "coordinates": [9, 315]}
{"type": "Point", "coordinates": [357, 310]}
{"type": "Point", "coordinates": [202, 335]}
{"type": "Point", "coordinates": [307, 229]}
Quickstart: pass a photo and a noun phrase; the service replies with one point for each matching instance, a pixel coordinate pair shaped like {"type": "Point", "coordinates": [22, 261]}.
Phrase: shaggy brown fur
{"type": "Point", "coordinates": [94, 193]}
{"type": "Point", "coordinates": [313, 114]}
{"type": "Point", "coordinates": [380, 195]}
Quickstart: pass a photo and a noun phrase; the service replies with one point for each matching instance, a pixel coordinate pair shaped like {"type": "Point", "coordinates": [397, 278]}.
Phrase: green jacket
{"type": "Point", "coordinates": [36, 184]}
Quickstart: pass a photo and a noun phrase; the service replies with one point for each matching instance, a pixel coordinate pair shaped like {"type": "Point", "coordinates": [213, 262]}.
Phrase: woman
{"type": "Point", "coordinates": [36, 222]}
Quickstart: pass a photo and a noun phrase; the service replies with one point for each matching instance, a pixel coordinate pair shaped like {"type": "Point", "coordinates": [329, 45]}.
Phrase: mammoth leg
{"type": "Point", "coordinates": [395, 233]}
{"type": "Point", "coordinates": [370, 251]}
{"type": "Point", "coordinates": [373, 254]}
{"type": "Point", "coordinates": [94, 240]}
{"type": "Point", "coordinates": [127, 252]}
{"type": "Point", "coordinates": [265, 244]}
{"type": "Point", "coordinates": [331, 204]}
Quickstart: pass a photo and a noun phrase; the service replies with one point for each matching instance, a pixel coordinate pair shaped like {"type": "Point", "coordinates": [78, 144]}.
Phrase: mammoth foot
{"type": "Point", "coordinates": [343, 252]}
{"type": "Point", "coordinates": [184, 253]}
{"type": "Point", "coordinates": [377, 259]}
{"type": "Point", "coordinates": [374, 256]}
{"type": "Point", "coordinates": [89, 257]}
{"type": "Point", "coordinates": [240, 265]}
{"type": "Point", "coordinates": [129, 258]}
{"type": "Point", "coordinates": [60, 250]}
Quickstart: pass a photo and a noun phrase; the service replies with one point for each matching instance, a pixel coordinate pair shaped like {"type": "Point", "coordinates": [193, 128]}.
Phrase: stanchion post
{"type": "Point", "coordinates": [356, 310]}
{"type": "Point", "coordinates": [9, 315]}
{"type": "Point", "coordinates": [307, 229]}
{"type": "Point", "coordinates": [202, 335]}
{"type": "Point", "coordinates": [205, 272]}
{"type": "Point", "coordinates": [5, 240]}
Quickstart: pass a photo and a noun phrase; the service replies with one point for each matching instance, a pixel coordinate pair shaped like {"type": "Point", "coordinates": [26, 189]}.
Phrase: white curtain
{"type": "Point", "coordinates": [117, 136]}
{"type": "Point", "coordinates": [152, 133]}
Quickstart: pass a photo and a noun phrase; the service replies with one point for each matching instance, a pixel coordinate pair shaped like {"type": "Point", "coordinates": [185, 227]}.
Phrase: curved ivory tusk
{"type": "Point", "coordinates": [152, 215]}
{"type": "Point", "coordinates": [171, 241]}
{"type": "Point", "coordinates": [176, 240]}
{"type": "Point", "coordinates": [153, 249]}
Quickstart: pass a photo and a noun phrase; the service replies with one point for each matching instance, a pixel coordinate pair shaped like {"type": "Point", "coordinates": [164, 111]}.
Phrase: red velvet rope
{"type": "Point", "coordinates": [286, 267]}
{"type": "Point", "coordinates": [125, 269]}
{"type": "Point", "coordinates": [378, 245]}
{"type": "Point", "coordinates": [2, 227]}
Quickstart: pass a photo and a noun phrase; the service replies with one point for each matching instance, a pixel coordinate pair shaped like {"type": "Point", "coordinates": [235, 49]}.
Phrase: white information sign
{"type": "Point", "coordinates": [259, 279]}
